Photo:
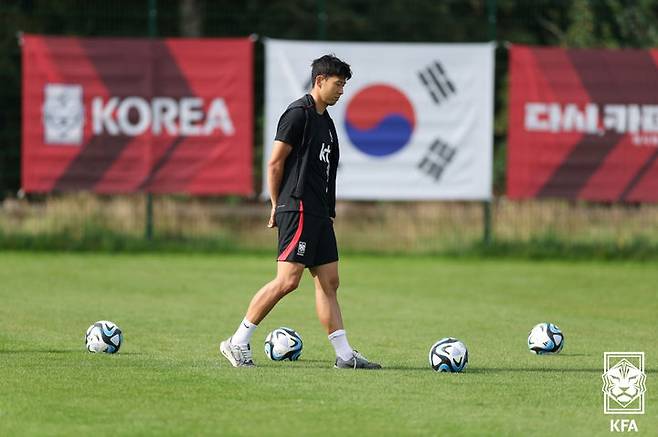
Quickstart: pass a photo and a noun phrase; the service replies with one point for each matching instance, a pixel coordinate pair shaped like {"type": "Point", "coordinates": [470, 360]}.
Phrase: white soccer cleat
{"type": "Point", "coordinates": [239, 355]}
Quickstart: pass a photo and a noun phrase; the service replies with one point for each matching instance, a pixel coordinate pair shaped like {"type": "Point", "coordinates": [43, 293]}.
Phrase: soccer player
{"type": "Point", "coordinates": [301, 175]}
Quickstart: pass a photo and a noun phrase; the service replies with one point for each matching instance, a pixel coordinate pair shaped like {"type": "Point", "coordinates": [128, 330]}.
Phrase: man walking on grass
{"type": "Point", "coordinates": [301, 175]}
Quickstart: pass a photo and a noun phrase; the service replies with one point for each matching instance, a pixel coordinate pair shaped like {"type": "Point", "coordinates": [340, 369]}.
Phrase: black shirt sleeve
{"type": "Point", "coordinates": [291, 127]}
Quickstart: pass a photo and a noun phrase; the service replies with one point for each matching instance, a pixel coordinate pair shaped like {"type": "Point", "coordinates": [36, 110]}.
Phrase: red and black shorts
{"type": "Point", "coordinates": [306, 239]}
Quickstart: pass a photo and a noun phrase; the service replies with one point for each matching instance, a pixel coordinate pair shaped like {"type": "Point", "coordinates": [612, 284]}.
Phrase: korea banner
{"type": "Point", "coordinates": [415, 121]}
{"type": "Point", "coordinates": [123, 115]}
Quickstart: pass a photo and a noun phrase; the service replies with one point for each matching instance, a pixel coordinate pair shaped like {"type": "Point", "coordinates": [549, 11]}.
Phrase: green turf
{"type": "Point", "coordinates": [169, 380]}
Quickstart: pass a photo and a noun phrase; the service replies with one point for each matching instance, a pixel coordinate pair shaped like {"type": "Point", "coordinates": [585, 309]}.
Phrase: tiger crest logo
{"type": "Point", "coordinates": [624, 383]}
{"type": "Point", "coordinates": [63, 114]}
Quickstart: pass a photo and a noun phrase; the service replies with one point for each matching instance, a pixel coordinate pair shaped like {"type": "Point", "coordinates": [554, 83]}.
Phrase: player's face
{"type": "Point", "coordinates": [331, 88]}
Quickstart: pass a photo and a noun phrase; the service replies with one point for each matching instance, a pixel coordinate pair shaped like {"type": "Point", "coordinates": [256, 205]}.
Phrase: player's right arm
{"type": "Point", "coordinates": [275, 167]}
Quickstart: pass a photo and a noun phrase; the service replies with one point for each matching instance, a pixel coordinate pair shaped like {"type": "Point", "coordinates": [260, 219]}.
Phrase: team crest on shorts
{"type": "Point", "coordinates": [301, 248]}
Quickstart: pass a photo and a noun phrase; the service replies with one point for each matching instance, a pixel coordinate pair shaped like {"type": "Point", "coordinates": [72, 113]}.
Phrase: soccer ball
{"type": "Point", "coordinates": [103, 336]}
{"type": "Point", "coordinates": [545, 338]}
{"type": "Point", "coordinates": [283, 344]}
{"type": "Point", "coordinates": [448, 355]}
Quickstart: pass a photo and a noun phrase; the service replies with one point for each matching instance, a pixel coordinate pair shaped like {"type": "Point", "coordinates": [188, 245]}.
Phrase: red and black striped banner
{"type": "Point", "coordinates": [114, 115]}
{"type": "Point", "coordinates": [583, 124]}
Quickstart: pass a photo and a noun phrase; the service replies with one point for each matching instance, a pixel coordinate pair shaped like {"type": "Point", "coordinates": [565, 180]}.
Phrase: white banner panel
{"type": "Point", "coordinates": [415, 122]}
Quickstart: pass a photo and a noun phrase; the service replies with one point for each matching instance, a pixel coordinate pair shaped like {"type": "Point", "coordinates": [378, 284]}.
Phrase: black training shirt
{"type": "Point", "coordinates": [321, 143]}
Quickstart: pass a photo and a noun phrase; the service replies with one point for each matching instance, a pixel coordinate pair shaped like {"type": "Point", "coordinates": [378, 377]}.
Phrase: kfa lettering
{"type": "Point", "coordinates": [623, 425]}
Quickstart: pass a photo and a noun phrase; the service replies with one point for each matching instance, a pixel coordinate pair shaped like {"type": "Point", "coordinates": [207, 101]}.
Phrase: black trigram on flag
{"type": "Point", "coordinates": [437, 158]}
{"type": "Point", "coordinates": [437, 82]}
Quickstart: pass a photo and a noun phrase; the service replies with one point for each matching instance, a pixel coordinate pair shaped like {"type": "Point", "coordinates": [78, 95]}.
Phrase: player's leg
{"type": "Point", "coordinates": [237, 348]}
{"type": "Point", "coordinates": [326, 296]}
{"type": "Point", "coordinates": [326, 281]}
{"type": "Point", "coordinates": [325, 276]}
{"type": "Point", "coordinates": [287, 280]}
{"type": "Point", "coordinates": [291, 229]}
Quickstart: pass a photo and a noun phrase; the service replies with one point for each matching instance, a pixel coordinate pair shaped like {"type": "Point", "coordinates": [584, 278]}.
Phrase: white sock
{"type": "Point", "coordinates": [343, 349]}
{"type": "Point", "coordinates": [244, 332]}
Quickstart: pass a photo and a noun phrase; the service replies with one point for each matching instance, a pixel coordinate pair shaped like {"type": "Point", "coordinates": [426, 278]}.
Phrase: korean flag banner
{"type": "Point", "coordinates": [415, 121]}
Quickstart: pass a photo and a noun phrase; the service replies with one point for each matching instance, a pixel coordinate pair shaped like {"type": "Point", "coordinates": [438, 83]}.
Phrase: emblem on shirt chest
{"type": "Point", "coordinates": [325, 150]}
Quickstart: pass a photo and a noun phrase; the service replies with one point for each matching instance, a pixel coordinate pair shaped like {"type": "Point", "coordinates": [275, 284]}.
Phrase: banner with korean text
{"type": "Point", "coordinates": [415, 121]}
{"type": "Point", "coordinates": [583, 124]}
{"type": "Point", "coordinates": [118, 115]}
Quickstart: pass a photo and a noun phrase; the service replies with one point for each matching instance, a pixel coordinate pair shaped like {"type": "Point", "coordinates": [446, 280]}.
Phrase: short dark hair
{"type": "Point", "coordinates": [329, 65]}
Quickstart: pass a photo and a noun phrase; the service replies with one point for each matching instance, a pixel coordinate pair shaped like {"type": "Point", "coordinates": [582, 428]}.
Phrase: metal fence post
{"type": "Point", "coordinates": [322, 20]}
{"type": "Point", "coordinates": [153, 32]}
{"type": "Point", "coordinates": [486, 205]}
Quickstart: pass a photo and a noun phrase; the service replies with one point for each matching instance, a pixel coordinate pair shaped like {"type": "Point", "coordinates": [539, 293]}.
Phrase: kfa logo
{"type": "Point", "coordinates": [623, 383]}
{"type": "Point", "coordinates": [301, 248]}
{"type": "Point", "coordinates": [623, 387]}
{"type": "Point", "coordinates": [63, 114]}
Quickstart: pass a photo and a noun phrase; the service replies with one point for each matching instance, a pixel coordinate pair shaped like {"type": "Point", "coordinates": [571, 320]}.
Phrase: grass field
{"type": "Point", "coordinates": [168, 378]}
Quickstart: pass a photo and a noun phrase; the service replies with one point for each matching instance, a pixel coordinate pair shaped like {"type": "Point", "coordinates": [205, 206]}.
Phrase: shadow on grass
{"type": "Point", "coordinates": [485, 370]}
{"type": "Point", "coordinates": [577, 355]}
{"type": "Point", "coordinates": [324, 364]}
{"type": "Point", "coordinates": [56, 351]}
{"type": "Point", "coordinates": [39, 351]}
{"type": "Point", "coordinates": [302, 363]}
{"type": "Point", "coordinates": [531, 370]}
{"type": "Point", "coordinates": [328, 364]}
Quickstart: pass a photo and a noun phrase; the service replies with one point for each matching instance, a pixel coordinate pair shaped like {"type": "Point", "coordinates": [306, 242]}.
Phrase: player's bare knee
{"type": "Point", "coordinates": [289, 284]}
{"type": "Point", "coordinates": [330, 288]}
{"type": "Point", "coordinates": [333, 284]}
